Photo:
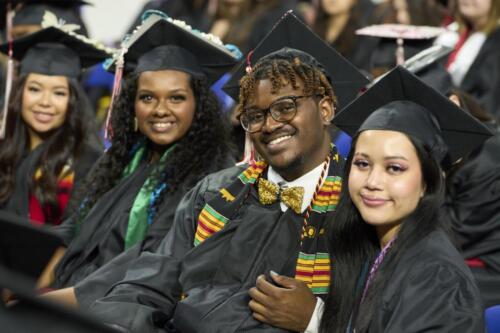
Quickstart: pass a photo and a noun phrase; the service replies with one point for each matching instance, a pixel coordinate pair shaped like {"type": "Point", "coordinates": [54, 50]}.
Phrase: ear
{"type": "Point", "coordinates": [326, 109]}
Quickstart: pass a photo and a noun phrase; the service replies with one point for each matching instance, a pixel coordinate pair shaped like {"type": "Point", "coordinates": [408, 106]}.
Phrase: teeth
{"type": "Point", "coordinates": [162, 125]}
{"type": "Point", "coordinates": [280, 139]}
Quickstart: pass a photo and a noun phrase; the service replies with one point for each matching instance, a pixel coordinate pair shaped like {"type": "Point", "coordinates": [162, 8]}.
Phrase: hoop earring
{"type": "Point", "coordinates": [136, 124]}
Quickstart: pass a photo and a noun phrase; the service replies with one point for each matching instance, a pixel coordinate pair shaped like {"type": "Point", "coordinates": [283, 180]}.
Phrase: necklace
{"type": "Point", "coordinates": [376, 265]}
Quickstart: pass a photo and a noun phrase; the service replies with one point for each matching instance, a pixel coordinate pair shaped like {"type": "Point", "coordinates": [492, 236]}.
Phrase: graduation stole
{"type": "Point", "coordinates": [142, 212]}
{"type": "Point", "coordinates": [313, 262]}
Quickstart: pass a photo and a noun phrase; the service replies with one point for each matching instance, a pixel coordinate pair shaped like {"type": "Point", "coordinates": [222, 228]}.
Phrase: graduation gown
{"type": "Point", "coordinates": [431, 290]}
{"type": "Point", "coordinates": [19, 201]}
{"type": "Point", "coordinates": [215, 275]}
{"type": "Point", "coordinates": [472, 209]}
{"type": "Point", "coordinates": [101, 235]}
{"type": "Point", "coordinates": [483, 77]}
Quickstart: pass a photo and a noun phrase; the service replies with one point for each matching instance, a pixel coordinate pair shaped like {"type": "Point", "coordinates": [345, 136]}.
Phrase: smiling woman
{"type": "Point", "coordinates": [49, 144]}
{"type": "Point", "coordinates": [168, 133]}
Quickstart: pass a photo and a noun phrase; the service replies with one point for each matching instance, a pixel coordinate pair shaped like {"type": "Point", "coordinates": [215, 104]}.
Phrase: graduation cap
{"type": "Point", "coordinates": [32, 11]}
{"type": "Point", "coordinates": [398, 42]}
{"type": "Point", "coordinates": [52, 51]}
{"type": "Point", "coordinates": [24, 248]}
{"type": "Point", "coordinates": [161, 42]}
{"type": "Point", "coordinates": [34, 314]}
{"type": "Point", "coordinates": [291, 37]}
{"type": "Point", "coordinates": [401, 102]}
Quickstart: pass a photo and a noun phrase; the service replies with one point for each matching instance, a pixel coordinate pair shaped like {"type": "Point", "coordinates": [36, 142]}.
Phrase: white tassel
{"type": "Point", "coordinates": [249, 154]}
{"type": "Point", "coordinates": [10, 76]}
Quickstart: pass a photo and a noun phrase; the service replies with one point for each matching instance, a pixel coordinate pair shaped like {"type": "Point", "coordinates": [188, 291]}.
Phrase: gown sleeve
{"type": "Point", "coordinates": [436, 297]}
{"type": "Point", "coordinates": [145, 299]}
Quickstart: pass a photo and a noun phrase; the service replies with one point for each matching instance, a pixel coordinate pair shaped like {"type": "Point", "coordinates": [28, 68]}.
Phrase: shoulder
{"type": "Point", "coordinates": [215, 181]}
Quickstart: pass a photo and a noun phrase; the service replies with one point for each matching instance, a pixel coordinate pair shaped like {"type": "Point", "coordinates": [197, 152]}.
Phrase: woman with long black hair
{"type": "Point", "coordinates": [394, 266]}
{"type": "Point", "coordinates": [49, 145]}
{"type": "Point", "coordinates": [167, 133]}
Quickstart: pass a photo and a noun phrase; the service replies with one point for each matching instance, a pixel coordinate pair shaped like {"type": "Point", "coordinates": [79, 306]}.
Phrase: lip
{"type": "Point", "coordinates": [372, 201]}
{"type": "Point", "coordinates": [277, 143]}
{"type": "Point", "coordinates": [43, 117]}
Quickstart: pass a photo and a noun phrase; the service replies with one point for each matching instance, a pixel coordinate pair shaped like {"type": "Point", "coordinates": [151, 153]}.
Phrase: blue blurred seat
{"type": "Point", "coordinates": [492, 317]}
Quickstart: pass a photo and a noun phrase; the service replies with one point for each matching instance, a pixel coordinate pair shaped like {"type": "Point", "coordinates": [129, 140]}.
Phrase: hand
{"type": "Point", "coordinates": [289, 305]}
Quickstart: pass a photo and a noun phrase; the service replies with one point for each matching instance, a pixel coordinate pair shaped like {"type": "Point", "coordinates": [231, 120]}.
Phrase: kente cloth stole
{"type": "Point", "coordinates": [313, 262]}
{"type": "Point", "coordinates": [141, 214]}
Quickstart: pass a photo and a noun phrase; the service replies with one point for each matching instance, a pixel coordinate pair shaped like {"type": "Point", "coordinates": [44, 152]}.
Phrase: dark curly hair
{"type": "Point", "coordinates": [281, 72]}
{"type": "Point", "coordinates": [206, 140]}
{"type": "Point", "coordinates": [61, 145]}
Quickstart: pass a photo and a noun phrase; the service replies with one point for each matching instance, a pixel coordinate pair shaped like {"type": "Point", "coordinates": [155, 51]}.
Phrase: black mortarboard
{"type": "Point", "coordinates": [32, 11]}
{"type": "Point", "coordinates": [24, 248]}
{"type": "Point", "coordinates": [164, 43]}
{"type": "Point", "coordinates": [401, 102]}
{"type": "Point", "coordinates": [52, 51]}
{"type": "Point", "coordinates": [289, 34]}
{"type": "Point", "coordinates": [34, 314]}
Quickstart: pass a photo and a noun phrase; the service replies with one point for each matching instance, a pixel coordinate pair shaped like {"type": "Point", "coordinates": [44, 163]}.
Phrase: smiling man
{"type": "Point", "coordinates": [263, 218]}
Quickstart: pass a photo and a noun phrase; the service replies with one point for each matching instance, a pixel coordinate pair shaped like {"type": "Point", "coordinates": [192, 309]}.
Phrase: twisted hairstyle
{"type": "Point", "coordinates": [61, 146]}
{"type": "Point", "coordinates": [206, 141]}
{"type": "Point", "coordinates": [282, 72]}
{"type": "Point", "coordinates": [354, 245]}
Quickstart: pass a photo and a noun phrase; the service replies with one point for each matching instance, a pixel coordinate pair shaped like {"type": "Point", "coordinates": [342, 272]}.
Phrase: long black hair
{"type": "Point", "coordinates": [203, 149]}
{"type": "Point", "coordinates": [63, 144]}
{"type": "Point", "coordinates": [354, 246]}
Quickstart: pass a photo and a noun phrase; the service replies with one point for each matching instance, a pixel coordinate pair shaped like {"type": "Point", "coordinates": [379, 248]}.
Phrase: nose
{"type": "Point", "coordinates": [161, 108]}
{"type": "Point", "coordinates": [45, 99]}
{"type": "Point", "coordinates": [374, 179]}
{"type": "Point", "coordinates": [270, 125]}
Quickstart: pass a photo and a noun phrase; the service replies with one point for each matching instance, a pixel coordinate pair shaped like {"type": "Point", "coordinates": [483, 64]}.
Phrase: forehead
{"type": "Point", "coordinates": [263, 94]}
{"type": "Point", "coordinates": [164, 79]}
{"type": "Point", "coordinates": [383, 143]}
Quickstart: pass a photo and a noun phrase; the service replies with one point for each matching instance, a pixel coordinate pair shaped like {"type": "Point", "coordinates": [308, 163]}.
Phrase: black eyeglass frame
{"type": "Point", "coordinates": [267, 111]}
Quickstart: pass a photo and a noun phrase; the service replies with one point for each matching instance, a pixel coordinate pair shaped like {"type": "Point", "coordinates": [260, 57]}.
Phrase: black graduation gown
{"type": "Point", "coordinates": [18, 202]}
{"type": "Point", "coordinates": [472, 208]}
{"type": "Point", "coordinates": [431, 290]}
{"type": "Point", "coordinates": [215, 276]}
{"type": "Point", "coordinates": [483, 78]}
{"type": "Point", "coordinates": [101, 237]}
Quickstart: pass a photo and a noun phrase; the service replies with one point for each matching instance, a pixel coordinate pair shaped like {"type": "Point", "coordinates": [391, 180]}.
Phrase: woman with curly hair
{"type": "Point", "coordinates": [395, 268]}
{"type": "Point", "coordinates": [47, 148]}
{"type": "Point", "coordinates": [168, 133]}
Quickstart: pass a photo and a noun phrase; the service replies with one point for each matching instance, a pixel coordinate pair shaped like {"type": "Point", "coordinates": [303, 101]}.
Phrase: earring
{"type": "Point", "coordinates": [136, 124]}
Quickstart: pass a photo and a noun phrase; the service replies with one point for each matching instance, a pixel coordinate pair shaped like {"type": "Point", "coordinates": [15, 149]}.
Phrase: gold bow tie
{"type": "Point", "coordinates": [269, 193]}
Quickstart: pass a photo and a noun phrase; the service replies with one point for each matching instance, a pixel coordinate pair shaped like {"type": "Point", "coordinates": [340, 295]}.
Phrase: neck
{"type": "Point", "coordinates": [35, 139]}
{"type": "Point", "coordinates": [387, 233]}
{"type": "Point", "coordinates": [479, 24]}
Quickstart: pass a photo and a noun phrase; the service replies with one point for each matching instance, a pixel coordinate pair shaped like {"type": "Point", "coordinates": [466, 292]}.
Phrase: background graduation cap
{"type": "Point", "coordinates": [34, 314]}
{"type": "Point", "coordinates": [52, 51]}
{"type": "Point", "coordinates": [31, 12]}
{"type": "Point", "coordinates": [400, 101]}
{"type": "Point", "coordinates": [290, 32]}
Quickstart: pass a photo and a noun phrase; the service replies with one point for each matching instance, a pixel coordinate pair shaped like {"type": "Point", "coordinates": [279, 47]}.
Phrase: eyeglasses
{"type": "Point", "coordinates": [282, 110]}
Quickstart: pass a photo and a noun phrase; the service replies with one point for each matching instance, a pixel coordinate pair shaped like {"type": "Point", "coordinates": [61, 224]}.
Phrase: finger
{"type": "Point", "coordinates": [256, 307]}
{"type": "Point", "coordinates": [260, 318]}
{"type": "Point", "coordinates": [266, 287]}
{"type": "Point", "coordinates": [284, 281]}
{"type": "Point", "coordinates": [258, 296]}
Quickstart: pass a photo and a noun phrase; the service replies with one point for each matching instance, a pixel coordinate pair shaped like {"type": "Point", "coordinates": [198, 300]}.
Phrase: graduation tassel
{"type": "Point", "coordinates": [248, 153]}
{"type": "Point", "coordinates": [10, 74]}
{"type": "Point", "coordinates": [108, 130]}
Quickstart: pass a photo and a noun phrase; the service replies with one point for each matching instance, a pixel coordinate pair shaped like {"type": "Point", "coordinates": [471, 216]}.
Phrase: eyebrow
{"type": "Point", "coordinates": [253, 106]}
{"type": "Point", "coordinates": [176, 90]}
{"type": "Point", "coordinates": [40, 84]}
{"type": "Point", "coordinates": [392, 157]}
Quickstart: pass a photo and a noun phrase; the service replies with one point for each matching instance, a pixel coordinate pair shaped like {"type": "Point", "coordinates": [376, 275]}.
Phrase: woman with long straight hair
{"type": "Point", "coordinates": [394, 266]}
{"type": "Point", "coordinates": [49, 145]}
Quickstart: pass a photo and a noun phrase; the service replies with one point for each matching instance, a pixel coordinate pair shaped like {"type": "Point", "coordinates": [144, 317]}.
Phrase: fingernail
{"type": "Point", "coordinates": [273, 273]}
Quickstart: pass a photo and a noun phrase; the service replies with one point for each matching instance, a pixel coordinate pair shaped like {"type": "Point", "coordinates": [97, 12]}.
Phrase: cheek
{"type": "Point", "coordinates": [407, 191]}
{"type": "Point", "coordinates": [355, 183]}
